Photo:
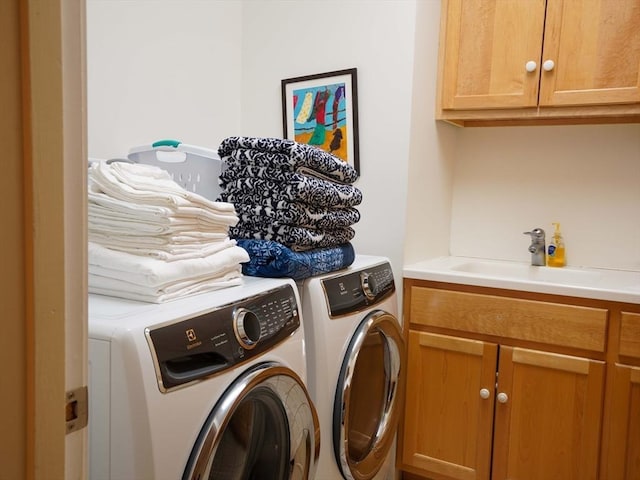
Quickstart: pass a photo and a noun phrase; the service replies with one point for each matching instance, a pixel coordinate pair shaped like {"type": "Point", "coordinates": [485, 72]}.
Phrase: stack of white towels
{"type": "Point", "coordinates": [151, 240]}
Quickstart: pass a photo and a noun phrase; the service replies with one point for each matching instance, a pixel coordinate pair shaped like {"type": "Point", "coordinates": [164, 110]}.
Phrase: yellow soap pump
{"type": "Point", "coordinates": [555, 250]}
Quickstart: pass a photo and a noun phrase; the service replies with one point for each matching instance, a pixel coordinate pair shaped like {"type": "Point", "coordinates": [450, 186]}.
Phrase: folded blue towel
{"type": "Point", "coordinates": [271, 259]}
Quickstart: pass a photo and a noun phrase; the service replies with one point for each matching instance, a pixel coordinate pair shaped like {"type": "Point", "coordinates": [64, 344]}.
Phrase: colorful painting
{"type": "Point", "coordinates": [321, 110]}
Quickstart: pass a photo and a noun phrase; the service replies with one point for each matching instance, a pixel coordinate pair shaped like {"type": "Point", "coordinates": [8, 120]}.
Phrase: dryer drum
{"type": "Point", "coordinates": [366, 406]}
{"type": "Point", "coordinates": [264, 426]}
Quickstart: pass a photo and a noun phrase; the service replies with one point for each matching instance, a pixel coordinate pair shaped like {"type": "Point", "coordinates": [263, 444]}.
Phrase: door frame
{"type": "Point", "coordinates": [44, 83]}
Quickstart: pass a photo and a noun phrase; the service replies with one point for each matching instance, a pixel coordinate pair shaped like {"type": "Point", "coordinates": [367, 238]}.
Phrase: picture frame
{"type": "Point", "coordinates": [322, 110]}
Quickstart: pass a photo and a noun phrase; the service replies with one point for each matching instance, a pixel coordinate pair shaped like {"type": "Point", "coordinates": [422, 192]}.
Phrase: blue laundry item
{"type": "Point", "coordinates": [268, 258]}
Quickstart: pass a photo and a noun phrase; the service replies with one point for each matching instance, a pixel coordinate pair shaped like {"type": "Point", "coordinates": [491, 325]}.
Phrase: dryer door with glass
{"type": "Point", "coordinates": [264, 426]}
{"type": "Point", "coordinates": [366, 407]}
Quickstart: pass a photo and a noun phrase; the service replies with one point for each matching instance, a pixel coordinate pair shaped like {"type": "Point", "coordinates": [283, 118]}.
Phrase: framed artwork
{"type": "Point", "coordinates": [322, 110]}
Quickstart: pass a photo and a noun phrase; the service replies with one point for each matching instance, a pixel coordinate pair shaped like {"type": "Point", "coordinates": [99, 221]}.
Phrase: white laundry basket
{"type": "Point", "coordinates": [197, 169]}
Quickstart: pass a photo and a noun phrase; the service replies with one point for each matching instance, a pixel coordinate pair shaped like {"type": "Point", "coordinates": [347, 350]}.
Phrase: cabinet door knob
{"type": "Point", "coordinates": [548, 65]}
{"type": "Point", "coordinates": [531, 66]}
{"type": "Point", "coordinates": [485, 393]}
{"type": "Point", "coordinates": [502, 397]}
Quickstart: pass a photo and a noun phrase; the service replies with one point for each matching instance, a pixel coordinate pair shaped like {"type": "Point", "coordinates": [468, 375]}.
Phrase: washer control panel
{"type": "Point", "coordinates": [355, 291]}
{"type": "Point", "coordinates": [191, 349]}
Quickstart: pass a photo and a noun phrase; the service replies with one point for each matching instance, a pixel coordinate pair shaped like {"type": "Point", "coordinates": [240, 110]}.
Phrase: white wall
{"type": "Point", "coordinates": [284, 39]}
{"type": "Point", "coordinates": [472, 192]}
{"type": "Point", "coordinates": [432, 149]}
{"type": "Point", "coordinates": [509, 180]}
{"type": "Point", "coordinates": [160, 69]}
{"type": "Point", "coordinates": [200, 71]}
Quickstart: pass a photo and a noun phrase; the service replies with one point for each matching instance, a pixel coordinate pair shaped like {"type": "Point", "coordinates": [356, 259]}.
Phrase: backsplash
{"type": "Point", "coordinates": [508, 180]}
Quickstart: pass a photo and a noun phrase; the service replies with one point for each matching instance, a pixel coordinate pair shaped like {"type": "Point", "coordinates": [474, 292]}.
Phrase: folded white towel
{"type": "Point", "coordinates": [126, 226]}
{"type": "Point", "coordinates": [145, 184]}
{"type": "Point", "coordinates": [150, 212]}
{"type": "Point", "coordinates": [119, 288]}
{"type": "Point", "coordinates": [173, 287]}
{"type": "Point", "coordinates": [115, 222]}
{"type": "Point", "coordinates": [113, 226]}
{"type": "Point", "coordinates": [169, 253]}
{"type": "Point", "coordinates": [101, 177]}
{"type": "Point", "coordinates": [152, 240]}
{"type": "Point", "coordinates": [215, 212]}
{"type": "Point", "coordinates": [192, 240]}
{"type": "Point", "coordinates": [151, 272]}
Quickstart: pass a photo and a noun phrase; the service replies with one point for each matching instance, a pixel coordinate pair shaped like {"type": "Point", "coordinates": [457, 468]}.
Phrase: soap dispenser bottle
{"type": "Point", "coordinates": [555, 250]}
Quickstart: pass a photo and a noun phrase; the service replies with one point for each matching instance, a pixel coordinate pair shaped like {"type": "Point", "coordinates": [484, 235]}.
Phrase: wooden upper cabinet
{"type": "Point", "coordinates": [539, 61]}
{"type": "Point", "coordinates": [595, 48]}
{"type": "Point", "coordinates": [486, 48]}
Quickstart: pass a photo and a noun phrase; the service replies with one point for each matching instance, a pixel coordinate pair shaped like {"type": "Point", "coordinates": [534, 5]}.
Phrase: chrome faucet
{"type": "Point", "coordinates": [538, 257]}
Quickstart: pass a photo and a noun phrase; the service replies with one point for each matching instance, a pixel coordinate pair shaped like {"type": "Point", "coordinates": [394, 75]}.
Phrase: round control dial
{"type": "Point", "coordinates": [246, 326]}
{"type": "Point", "coordinates": [369, 285]}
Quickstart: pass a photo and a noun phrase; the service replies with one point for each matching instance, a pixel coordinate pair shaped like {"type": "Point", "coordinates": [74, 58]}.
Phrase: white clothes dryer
{"type": "Point", "coordinates": [354, 353]}
{"type": "Point", "coordinates": [210, 386]}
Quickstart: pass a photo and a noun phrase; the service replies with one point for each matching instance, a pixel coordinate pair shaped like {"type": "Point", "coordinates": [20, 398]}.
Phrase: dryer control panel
{"type": "Point", "coordinates": [195, 348]}
{"type": "Point", "coordinates": [354, 291]}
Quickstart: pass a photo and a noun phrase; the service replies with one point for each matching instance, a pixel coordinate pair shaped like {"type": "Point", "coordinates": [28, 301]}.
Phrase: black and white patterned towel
{"type": "Point", "coordinates": [297, 238]}
{"type": "Point", "coordinates": [235, 171]}
{"type": "Point", "coordinates": [297, 155]}
{"type": "Point", "coordinates": [294, 187]}
{"type": "Point", "coordinates": [291, 213]}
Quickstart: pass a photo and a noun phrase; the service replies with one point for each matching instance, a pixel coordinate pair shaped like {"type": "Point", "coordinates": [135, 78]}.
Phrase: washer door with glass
{"type": "Point", "coordinates": [366, 408]}
{"type": "Point", "coordinates": [264, 426]}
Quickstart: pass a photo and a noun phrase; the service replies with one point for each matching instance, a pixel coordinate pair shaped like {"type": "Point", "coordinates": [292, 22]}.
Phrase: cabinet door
{"type": "Point", "coordinates": [595, 46]}
{"type": "Point", "coordinates": [623, 432]}
{"type": "Point", "coordinates": [448, 420]}
{"type": "Point", "coordinates": [487, 45]}
{"type": "Point", "coordinates": [548, 416]}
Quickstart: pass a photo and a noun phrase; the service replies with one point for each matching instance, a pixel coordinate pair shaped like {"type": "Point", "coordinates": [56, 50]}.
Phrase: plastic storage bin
{"type": "Point", "coordinates": [197, 169]}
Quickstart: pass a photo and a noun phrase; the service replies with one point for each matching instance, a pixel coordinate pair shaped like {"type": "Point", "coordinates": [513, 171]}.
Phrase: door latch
{"type": "Point", "coordinates": [77, 409]}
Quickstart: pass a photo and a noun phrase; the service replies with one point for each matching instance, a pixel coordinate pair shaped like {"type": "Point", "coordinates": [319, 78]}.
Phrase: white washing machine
{"type": "Point", "coordinates": [210, 386]}
{"type": "Point", "coordinates": [354, 353]}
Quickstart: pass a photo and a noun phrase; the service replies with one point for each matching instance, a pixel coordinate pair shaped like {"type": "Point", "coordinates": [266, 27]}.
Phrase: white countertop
{"type": "Point", "coordinates": [596, 283]}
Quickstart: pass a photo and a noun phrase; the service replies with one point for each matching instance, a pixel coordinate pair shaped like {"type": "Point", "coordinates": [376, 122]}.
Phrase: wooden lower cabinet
{"type": "Point", "coordinates": [548, 416]}
{"type": "Point", "coordinates": [448, 427]}
{"type": "Point", "coordinates": [478, 410]}
{"type": "Point", "coordinates": [504, 385]}
{"type": "Point", "coordinates": [621, 458]}
{"type": "Point", "coordinates": [621, 436]}
{"type": "Point", "coordinates": [622, 461]}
